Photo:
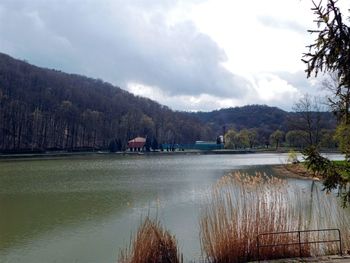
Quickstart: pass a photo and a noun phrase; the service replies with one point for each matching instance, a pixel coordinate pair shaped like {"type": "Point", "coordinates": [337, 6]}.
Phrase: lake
{"type": "Point", "coordinates": [84, 209]}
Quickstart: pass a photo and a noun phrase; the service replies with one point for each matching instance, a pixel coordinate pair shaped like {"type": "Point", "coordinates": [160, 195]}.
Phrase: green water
{"type": "Point", "coordinates": [83, 209]}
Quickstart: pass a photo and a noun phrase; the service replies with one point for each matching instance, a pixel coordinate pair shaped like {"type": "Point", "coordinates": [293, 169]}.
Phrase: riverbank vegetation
{"type": "Point", "coordinates": [242, 206]}
{"type": "Point", "coordinates": [151, 244]}
{"type": "Point", "coordinates": [239, 208]}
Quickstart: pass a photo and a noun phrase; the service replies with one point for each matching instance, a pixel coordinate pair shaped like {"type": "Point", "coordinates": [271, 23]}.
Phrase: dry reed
{"type": "Point", "coordinates": [243, 206]}
{"type": "Point", "coordinates": [151, 244]}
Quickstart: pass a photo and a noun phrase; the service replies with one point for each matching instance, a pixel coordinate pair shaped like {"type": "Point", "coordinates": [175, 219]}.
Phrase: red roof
{"type": "Point", "coordinates": [137, 142]}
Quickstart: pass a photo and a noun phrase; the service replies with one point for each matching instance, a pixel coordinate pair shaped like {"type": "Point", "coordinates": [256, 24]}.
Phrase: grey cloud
{"type": "Point", "coordinates": [297, 79]}
{"type": "Point", "coordinates": [282, 24]}
{"type": "Point", "coordinates": [118, 41]}
{"type": "Point", "coordinates": [301, 82]}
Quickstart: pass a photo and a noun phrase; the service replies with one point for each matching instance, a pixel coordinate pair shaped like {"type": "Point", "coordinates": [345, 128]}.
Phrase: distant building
{"type": "Point", "coordinates": [198, 145]}
{"type": "Point", "coordinates": [207, 145]}
{"type": "Point", "coordinates": [220, 139]}
{"type": "Point", "coordinates": [137, 144]}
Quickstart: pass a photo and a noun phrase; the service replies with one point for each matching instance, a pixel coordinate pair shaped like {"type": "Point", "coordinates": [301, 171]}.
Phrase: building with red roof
{"type": "Point", "coordinates": [137, 144]}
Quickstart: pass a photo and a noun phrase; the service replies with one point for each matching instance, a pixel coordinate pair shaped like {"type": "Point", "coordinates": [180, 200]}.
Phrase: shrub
{"type": "Point", "coordinates": [151, 244]}
{"type": "Point", "coordinates": [292, 157]}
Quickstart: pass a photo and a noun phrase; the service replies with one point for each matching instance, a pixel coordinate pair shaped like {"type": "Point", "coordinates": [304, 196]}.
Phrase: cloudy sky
{"type": "Point", "coordinates": [186, 54]}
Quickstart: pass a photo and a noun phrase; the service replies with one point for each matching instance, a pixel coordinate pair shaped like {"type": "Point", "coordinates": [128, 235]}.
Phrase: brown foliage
{"type": "Point", "coordinates": [151, 244]}
{"type": "Point", "coordinates": [242, 207]}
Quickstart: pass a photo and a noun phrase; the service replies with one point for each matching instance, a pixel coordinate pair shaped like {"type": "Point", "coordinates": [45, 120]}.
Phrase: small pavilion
{"type": "Point", "coordinates": [137, 144]}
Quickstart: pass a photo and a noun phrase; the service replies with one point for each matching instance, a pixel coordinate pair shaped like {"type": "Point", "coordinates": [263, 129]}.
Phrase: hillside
{"type": "Point", "coordinates": [43, 109]}
{"type": "Point", "coordinates": [251, 116]}
{"type": "Point", "coordinates": [264, 119]}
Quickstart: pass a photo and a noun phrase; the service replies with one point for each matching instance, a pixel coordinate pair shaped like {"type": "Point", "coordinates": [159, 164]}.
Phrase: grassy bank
{"type": "Point", "coordinates": [242, 206]}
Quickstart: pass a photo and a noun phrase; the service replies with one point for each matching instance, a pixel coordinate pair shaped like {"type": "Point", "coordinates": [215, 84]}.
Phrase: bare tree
{"type": "Point", "coordinates": [308, 118]}
{"type": "Point", "coordinates": [339, 96]}
{"type": "Point", "coordinates": [331, 51]}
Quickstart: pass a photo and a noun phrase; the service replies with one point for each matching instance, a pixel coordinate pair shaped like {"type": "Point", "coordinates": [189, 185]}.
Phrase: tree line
{"type": "Point", "coordinates": [295, 139]}
{"type": "Point", "coordinates": [261, 126]}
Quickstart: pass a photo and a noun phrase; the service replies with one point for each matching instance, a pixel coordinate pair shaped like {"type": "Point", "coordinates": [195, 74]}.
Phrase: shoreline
{"type": "Point", "coordinates": [48, 154]}
{"type": "Point", "coordinates": [125, 153]}
{"type": "Point", "coordinates": [297, 171]}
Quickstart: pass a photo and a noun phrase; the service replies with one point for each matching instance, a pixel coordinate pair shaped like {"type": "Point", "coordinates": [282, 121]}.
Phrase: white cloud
{"type": "Point", "coordinates": [267, 89]}
{"type": "Point", "coordinates": [186, 54]}
{"type": "Point", "coordinates": [272, 88]}
{"type": "Point", "coordinates": [121, 42]}
{"type": "Point", "coordinates": [201, 102]}
{"type": "Point", "coordinates": [257, 35]}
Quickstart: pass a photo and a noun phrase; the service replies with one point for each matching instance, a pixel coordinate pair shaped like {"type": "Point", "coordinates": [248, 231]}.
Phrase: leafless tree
{"type": "Point", "coordinates": [308, 118]}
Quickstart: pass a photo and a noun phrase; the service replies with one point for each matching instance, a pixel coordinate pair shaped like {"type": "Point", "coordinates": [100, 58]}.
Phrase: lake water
{"type": "Point", "coordinates": [84, 209]}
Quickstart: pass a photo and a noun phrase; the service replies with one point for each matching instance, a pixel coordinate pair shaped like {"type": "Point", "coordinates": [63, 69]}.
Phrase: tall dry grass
{"type": "Point", "coordinates": [151, 244]}
{"type": "Point", "coordinates": [242, 206]}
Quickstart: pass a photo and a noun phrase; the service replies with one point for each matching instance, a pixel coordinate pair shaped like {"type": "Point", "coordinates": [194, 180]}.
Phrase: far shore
{"type": "Point", "coordinates": [50, 154]}
{"type": "Point", "coordinates": [297, 171]}
{"type": "Point", "coordinates": [90, 153]}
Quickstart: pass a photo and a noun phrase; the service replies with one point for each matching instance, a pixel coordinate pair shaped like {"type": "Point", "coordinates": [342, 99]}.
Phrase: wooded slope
{"type": "Point", "coordinates": [43, 109]}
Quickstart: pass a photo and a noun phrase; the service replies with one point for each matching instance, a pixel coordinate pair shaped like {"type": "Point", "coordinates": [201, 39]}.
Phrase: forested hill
{"type": "Point", "coordinates": [251, 116]}
{"type": "Point", "coordinates": [264, 119]}
{"type": "Point", "coordinates": [43, 109]}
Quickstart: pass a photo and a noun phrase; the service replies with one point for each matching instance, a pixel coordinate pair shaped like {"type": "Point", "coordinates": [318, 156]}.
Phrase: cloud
{"type": "Point", "coordinates": [202, 102]}
{"type": "Point", "coordinates": [121, 42]}
{"type": "Point", "coordinates": [282, 24]}
{"type": "Point", "coordinates": [271, 88]}
{"type": "Point", "coordinates": [186, 54]}
{"type": "Point", "coordinates": [266, 88]}
{"type": "Point", "coordinates": [312, 85]}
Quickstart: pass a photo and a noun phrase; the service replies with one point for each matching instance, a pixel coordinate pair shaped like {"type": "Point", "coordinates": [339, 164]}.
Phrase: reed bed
{"type": "Point", "coordinates": [242, 206]}
{"type": "Point", "coordinates": [151, 244]}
